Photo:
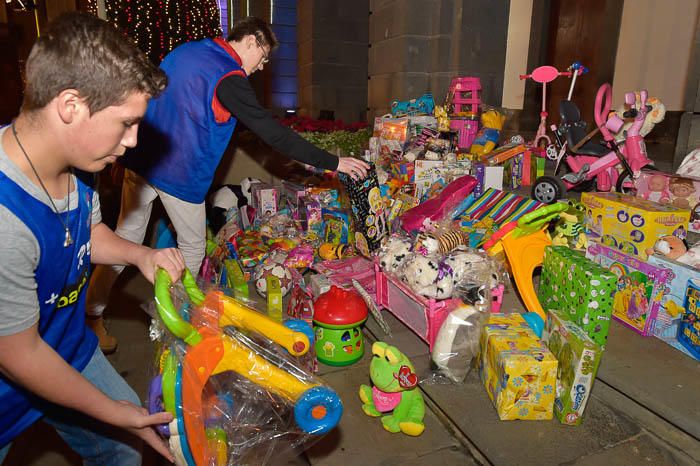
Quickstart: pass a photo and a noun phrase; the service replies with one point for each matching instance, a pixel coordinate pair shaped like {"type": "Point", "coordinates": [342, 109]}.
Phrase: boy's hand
{"type": "Point", "coordinates": [355, 168]}
{"type": "Point", "coordinates": [137, 421]}
{"type": "Point", "coordinates": [170, 259]}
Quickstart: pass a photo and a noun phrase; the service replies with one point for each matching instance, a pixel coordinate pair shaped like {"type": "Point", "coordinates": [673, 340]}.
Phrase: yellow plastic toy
{"type": "Point", "coordinates": [181, 388]}
{"type": "Point", "coordinates": [523, 244]}
{"type": "Point", "coordinates": [487, 137]}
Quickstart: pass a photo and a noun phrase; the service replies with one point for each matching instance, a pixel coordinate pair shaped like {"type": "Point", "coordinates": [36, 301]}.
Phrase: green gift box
{"type": "Point", "coordinates": [581, 289]}
{"type": "Point", "coordinates": [578, 357]}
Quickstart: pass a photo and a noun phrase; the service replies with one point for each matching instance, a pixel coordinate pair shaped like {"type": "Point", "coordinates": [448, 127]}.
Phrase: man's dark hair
{"type": "Point", "coordinates": [250, 25]}
{"type": "Point", "coordinates": [82, 52]}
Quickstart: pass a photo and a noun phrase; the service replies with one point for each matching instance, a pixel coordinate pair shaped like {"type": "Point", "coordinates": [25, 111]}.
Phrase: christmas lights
{"type": "Point", "coordinates": [158, 26]}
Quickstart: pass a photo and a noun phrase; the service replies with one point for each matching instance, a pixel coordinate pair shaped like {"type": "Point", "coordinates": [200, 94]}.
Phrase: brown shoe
{"type": "Point", "coordinates": [108, 344]}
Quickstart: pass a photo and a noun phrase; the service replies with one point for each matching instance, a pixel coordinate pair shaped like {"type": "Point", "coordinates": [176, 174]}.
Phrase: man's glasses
{"type": "Point", "coordinates": [265, 59]}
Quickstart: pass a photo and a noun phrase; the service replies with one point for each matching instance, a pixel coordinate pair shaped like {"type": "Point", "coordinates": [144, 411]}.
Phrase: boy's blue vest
{"type": "Point", "coordinates": [186, 130]}
{"type": "Point", "coordinates": [62, 278]}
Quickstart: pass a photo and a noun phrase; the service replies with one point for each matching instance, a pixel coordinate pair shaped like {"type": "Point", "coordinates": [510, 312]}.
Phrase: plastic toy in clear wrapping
{"type": "Point", "coordinates": [236, 398]}
{"type": "Point", "coordinates": [338, 318]}
{"type": "Point", "coordinates": [457, 342]}
{"type": "Point", "coordinates": [487, 137]}
{"type": "Point", "coordinates": [394, 390]}
{"type": "Point", "coordinates": [569, 229]}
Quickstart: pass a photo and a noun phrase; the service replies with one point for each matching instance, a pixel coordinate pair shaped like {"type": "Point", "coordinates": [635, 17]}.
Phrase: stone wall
{"type": "Point", "coordinates": [418, 46]}
{"type": "Point", "coordinates": [332, 38]}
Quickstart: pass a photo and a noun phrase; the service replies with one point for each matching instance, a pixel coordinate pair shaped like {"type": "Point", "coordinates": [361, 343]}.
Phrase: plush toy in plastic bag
{"type": "Point", "coordinates": [236, 398]}
{"type": "Point", "coordinates": [457, 343]}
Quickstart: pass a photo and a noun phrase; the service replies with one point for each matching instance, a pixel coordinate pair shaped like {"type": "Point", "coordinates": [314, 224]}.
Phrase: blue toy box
{"type": "Point", "coordinates": [671, 308]}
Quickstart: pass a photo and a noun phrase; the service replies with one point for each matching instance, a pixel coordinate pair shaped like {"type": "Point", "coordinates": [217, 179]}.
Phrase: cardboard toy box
{"type": "Point", "coordinates": [264, 198]}
{"type": "Point", "coordinates": [579, 287]}
{"type": "Point", "coordinates": [676, 190]}
{"type": "Point", "coordinates": [640, 286]}
{"type": "Point", "coordinates": [429, 172]}
{"type": "Point", "coordinates": [578, 357]}
{"type": "Point", "coordinates": [671, 308]}
{"type": "Point", "coordinates": [518, 371]}
{"type": "Point", "coordinates": [631, 224]}
{"type": "Point", "coordinates": [689, 329]}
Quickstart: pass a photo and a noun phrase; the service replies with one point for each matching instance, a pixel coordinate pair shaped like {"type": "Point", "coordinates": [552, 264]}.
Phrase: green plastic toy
{"type": "Point", "coordinates": [394, 390]}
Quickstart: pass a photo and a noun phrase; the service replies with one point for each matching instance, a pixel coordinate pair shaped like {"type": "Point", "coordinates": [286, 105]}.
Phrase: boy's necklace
{"type": "Point", "coordinates": [69, 239]}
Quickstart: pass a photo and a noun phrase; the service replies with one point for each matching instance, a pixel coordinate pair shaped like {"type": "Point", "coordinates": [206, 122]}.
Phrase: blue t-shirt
{"type": "Point", "coordinates": [61, 279]}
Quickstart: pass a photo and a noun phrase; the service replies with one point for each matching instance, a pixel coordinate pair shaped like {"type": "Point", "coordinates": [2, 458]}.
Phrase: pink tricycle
{"type": "Point", "coordinates": [606, 164]}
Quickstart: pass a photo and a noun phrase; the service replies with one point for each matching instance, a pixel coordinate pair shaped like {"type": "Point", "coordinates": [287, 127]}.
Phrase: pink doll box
{"type": "Point", "coordinates": [422, 315]}
{"type": "Point", "coordinates": [640, 287]}
{"type": "Point", "coordinates": [676, 190]}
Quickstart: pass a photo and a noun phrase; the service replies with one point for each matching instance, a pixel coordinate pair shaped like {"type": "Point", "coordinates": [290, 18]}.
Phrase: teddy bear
{"type": "Point", "coordinates": [677, 249]}
{"type": "Point", "coordinates": [654, 116]}
{"type": "Point", "coordinates": [487, 137]}
{"type": "Point", "coordinates": [394, 390]}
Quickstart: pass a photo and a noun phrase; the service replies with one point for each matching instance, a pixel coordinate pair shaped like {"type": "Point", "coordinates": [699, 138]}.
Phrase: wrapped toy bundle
{"type": "Point", "coordinates": [233, 381]}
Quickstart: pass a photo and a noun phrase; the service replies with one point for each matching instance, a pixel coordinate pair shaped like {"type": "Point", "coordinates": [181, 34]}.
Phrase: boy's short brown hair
{"type": "Point", "coordinates": [80, 51]}
{"type": "Point", "coordinates": [250, 25]}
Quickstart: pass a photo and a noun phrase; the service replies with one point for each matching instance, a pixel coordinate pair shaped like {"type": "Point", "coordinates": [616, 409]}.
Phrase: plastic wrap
{"type": "Point", "coordinates": [232, 379]}
{"type": "Point", "coordinates": [457, 344]}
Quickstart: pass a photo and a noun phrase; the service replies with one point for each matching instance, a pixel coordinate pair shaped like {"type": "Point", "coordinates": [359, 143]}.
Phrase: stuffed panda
{"type": "Point", "coordinates": [225, 198]}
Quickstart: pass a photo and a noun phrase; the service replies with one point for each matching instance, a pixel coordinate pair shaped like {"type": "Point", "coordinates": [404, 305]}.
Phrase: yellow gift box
{"type": "Point", "coordinates": [518, 370]}
{"type": "Point", "coordinates": [631, 224]}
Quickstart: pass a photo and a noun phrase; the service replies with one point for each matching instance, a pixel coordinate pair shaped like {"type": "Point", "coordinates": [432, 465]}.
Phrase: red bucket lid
{"type": "Point", "coordinates": [340, 307]}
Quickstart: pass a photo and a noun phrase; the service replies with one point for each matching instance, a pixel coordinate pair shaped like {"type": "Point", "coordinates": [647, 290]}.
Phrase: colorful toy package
{"type": "Point", "coordinates": [518, 371]}
{"type": "Point", "coordinates": [369, 213]}
{"type": "Point", "coordinates": [579, 287]}
{"type": "Point", "coordinates": [679, 191]}
{"type": "Point", "coordinates": [640, 286]}
{"type": "Point", "coordinates": [429, 172]}
{"type": "Point", "coordinates": [671, 308]}
{"type": "Point", "coordinates": [689, 329]}
{"type": "Point", "coordinates": [631, 224]}
{"type": "Point", "coordinates": [578, 357]}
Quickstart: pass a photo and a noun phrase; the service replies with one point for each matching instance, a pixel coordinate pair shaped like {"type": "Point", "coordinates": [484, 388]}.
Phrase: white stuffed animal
{"type": "Point", "coordinates": [428, 277]}
{"type": "Point", "coordinates": [393, 254]}
{"type": "Point", "coordinates": [656, 115]}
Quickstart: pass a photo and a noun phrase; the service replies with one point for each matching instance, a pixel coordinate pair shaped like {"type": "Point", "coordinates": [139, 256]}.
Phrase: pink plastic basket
{"type": "Point", "coordinates": [422, 315]}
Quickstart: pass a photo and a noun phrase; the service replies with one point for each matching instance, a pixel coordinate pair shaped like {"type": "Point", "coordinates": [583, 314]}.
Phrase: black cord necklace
{"type": "Point", "coordinates": [69, 239]}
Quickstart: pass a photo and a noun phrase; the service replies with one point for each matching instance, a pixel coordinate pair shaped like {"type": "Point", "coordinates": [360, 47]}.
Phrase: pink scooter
{"type": "Point", "coordinates": [606, 164]}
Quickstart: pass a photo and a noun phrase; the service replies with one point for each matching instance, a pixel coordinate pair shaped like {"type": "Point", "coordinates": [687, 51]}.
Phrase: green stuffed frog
{"type": "Point", "coordinates": [395, 382]}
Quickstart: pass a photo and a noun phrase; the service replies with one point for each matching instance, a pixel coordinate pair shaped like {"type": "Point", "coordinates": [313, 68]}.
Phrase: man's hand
{"type": "Point", "coordinates": [137, 421]}
{"type": "Point", "coordinates": [355, 168]}
{"type": "Point", "coordinates": [170, 259]}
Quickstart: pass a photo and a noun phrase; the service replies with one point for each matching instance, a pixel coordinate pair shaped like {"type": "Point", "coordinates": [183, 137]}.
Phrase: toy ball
{"type": "Point", "coordinates": [277, 270]}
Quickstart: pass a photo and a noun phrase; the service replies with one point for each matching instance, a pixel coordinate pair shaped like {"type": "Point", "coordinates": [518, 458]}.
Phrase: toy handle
{"type": "Point", "coordinates": [166, 309]}
{"type": "Point", "coordinates": [603, 104]}
{"type": "Point", "coordinates": [538, 217]}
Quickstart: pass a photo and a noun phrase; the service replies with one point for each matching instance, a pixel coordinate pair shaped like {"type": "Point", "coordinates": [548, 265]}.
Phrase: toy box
{"type": "Point", "coordinates": [503, 153]}
{"type": "Point", "coordinates": [671, 308]}
{"type": "Point", "coordinates": [487, 178]}
{"type": "Point", "coordinates": [368, 211]}
{"type": "Point", "coordinates": [429, 172]}
{"type": "Point", "coordinates": [513, 172]}
{"type": "Point", "coordinates": [631, 224]}
{"type": "Point", "coordinates": [264, 198]}
{"type": "Point", "coordinates": [679, 191]}
{"type": "Point", "coordinates": [640, 286]}
{"type": "Point", "coordinates": [518, 371]}
{"type": "Point", "coordinates": [689, 329]}
{"type": "Point", "coordinates": [578, 358]}
{"type": "Point", "coordinates": [579, 287]}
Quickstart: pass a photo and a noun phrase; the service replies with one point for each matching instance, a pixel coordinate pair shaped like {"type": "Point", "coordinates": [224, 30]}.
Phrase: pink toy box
{"type": "Point", "coordinates": [679, 191]}
{"type": "Point", "coordinates": [640, 287]}
{"type": "Point", "coordinates": [422, 315]}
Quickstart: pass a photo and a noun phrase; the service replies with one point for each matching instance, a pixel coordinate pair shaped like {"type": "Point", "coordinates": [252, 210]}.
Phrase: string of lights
{"type": "Point", "coordinates": [158, 26]}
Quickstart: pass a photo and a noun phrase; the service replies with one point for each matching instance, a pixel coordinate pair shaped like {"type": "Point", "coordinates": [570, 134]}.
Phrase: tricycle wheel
{"type": "Point", "coordinates": [548, 189]}
{"type": "Point", "coordinates": [625, 183]}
